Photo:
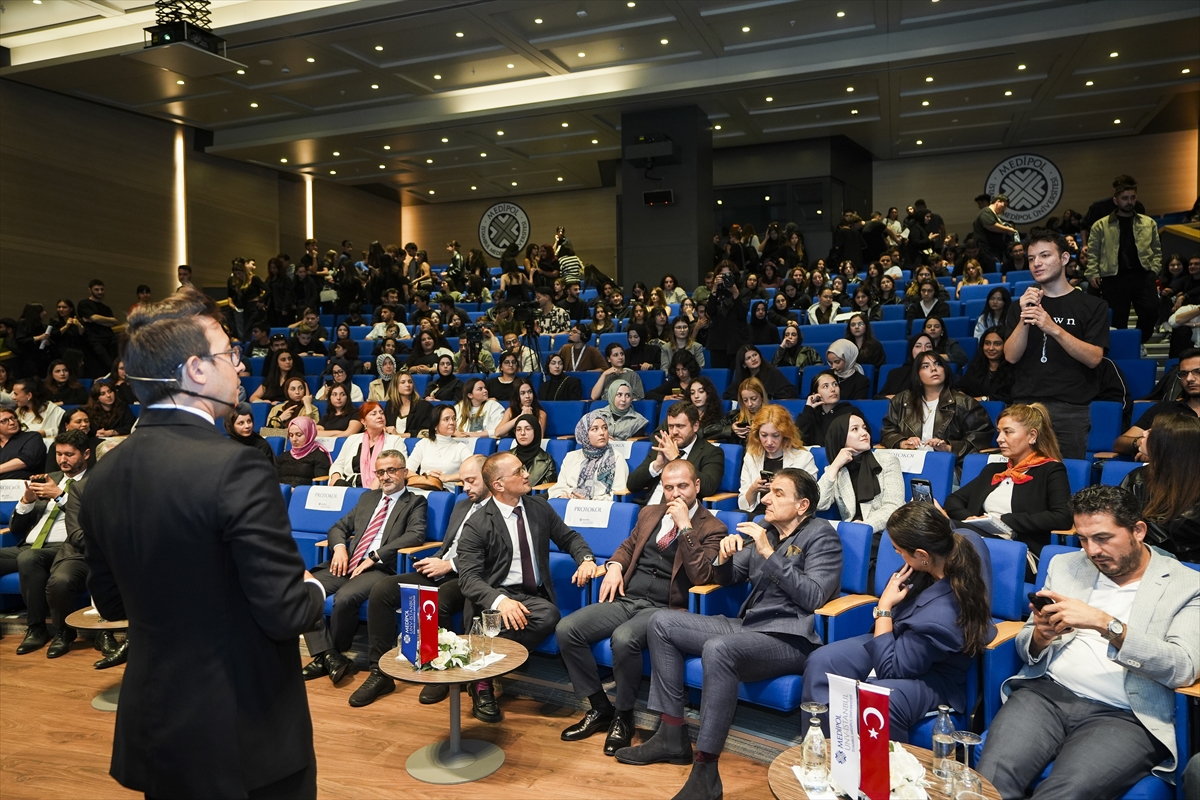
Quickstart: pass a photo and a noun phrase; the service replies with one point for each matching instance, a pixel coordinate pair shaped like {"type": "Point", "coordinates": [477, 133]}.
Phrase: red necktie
{"type": "Point", "coordinates": [372, 531]}
{"type": "Point", "coordinates": [528, 581]}
{"type": "Point", "coordinates": [665, 541]}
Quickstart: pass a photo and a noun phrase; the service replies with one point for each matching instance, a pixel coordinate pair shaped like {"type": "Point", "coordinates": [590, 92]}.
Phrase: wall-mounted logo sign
{"type": "Point", "coordinates": [1033, 184]}
{"type": "Point", "coordinates": [501, 225]}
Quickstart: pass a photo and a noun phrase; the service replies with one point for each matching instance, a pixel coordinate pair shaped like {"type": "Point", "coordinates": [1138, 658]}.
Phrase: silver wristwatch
{"type": "Point", "coordinates": [1115, 629]}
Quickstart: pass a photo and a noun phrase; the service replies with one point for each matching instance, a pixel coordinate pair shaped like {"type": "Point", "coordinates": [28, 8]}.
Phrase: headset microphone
{"type": "Point", "coordinates": [181, 390]}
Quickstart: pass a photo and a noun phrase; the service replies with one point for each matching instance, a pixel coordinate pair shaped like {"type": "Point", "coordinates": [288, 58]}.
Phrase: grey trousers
{"type": "Point", "coordinates": [729, 655]}
{"type": "Point", "coordinates": [1098, 751]}
{"type": "Point", "coordinates": [626, 621]}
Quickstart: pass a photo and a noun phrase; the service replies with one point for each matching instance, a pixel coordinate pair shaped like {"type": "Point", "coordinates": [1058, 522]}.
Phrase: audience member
{"type": "Point", "coordinates": [792, 352]}
{"type": "Point", "coordinates": [355, 464]}
{"type": "Point", "coordinates": [299, 403]}
{"type": "Point", "coordinates": [239, 424]}
{"type": "Point", "coordinates": [61, 386]}
{"type": "Point", "coordinates": [823, 405]}
{"type": "Point", "coordinates": [751, 364]}
{"type": "Point", "coordinates": [106, 412]}
{"type": "Point", "coordinates": [578, 355]}
{"type": "Point", "coordinates": [1124, 258]}
{"type": "Point", "coordinates": [842, 357]}
{"type": "Point", "coordinates": [989, 376]}
{"type": "Point", "coordinates": [278, 369]}
{"type": "Point", "coordinates": [681, 439]}
{"type": "Point", "coordinates": [98, 339]}
{"type": "Point", "coordinates": [445, 386]}
{"type": "Point", "coordinates": [528, 446]}
{"type": "Point", "coordinates": [995, 311]}
{"type": "Point", "coordinates": [941, 342]}
{"type": "Point", "coordinates": [682, 371]}
{"type": "Point", "coordinates": [441, 452]}
{"type": "Point", "coordinates": [338, 374]}
{"type": "Point", "coordinates": [623, 421]}
{"type": "Point", "coordinates": [478, 414]}
{"type": "Point", "coordinates": [307, 460]}
{"type": "Point", "coordinates": [899, 377]}
{"type": "Point", "coordinates": [866, 484]}
{"type": "Point", "coordinates": [615, 354]}
{"type": "Point", "coordinates": [774, 444]}
{"type": "Point", "coordinates": [704, 396]}
{"type": "Point", "coordinates": [1188, 404]}
{"type": "Point", "coordinates": [341, 416]}
{"type": "Point", "coordinates": [991, 234]}
{"type": "Point", "coordinates": [1168, 487]}
{"type": "Point", "coordinates": [870, 350]}
{"type": "Point", "coordinates": [592, 471]}
{"type": "Point", "coordinates": [557, 384]}
{"type": "Point", "coordinates": [927, 303]}
{"type": "Point", "coordinates": [751, 397]}
{"type": "Point", "coordinates": [34, 410]}
{"type": "Point", "coordinates": [931, 414]}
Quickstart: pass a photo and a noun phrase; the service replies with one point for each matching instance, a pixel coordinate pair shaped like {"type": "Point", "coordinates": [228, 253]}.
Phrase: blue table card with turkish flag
{"type": "Point", "coordinates": [858, 730]}
{"type": "Point", "coordinates": [418, 624]}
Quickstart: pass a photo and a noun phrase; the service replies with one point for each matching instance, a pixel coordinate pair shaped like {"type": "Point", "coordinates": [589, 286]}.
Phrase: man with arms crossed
{"type": "Point", "coordinates": [1101, 662]}
{"type": "Point", "coordinates": [186, 536]}
{"type": "Point", "coordinates": [1059, 336]}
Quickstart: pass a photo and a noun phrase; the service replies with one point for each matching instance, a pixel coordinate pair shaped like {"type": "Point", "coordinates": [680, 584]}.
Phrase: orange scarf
{"type": "Point", "coordinates": [1017, 471]}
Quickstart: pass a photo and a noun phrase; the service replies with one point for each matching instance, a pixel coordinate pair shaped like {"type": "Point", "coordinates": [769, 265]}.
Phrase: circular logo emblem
{"type": "Point", "coordinates": [1033, 185]}
{"type": "Point", "coordinates": [501, 225]}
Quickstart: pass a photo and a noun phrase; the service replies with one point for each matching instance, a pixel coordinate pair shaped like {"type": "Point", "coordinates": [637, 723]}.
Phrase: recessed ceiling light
{"type": "Point", "coordinates": [336, 153]}
{"type": "Point", "coordinates": [849, 88]}
{"type": "Point", "coordinates": [473, 188]}
{"type": "Point", "coordinates": [1116, 122]}
{"type": "Point", "coordinates": [819, 210]}
{"type": "Point", "coordinates": [1020, 66]}
{"type": "Point", "coordinates": [581, 55]}
{"type": "Point", "coordinates": [374, 85]}
{"type": "Point", "coordinates": [1089, 83]}
{"type": "Point", "coordinates": [254, 105]}
{"type": "Point", "coordinates": [310, 60]}
{"type": "Point", "coordinates": [37, 2]}
{"type": "Point", "coordinates": [459, 34]}
{"type": "Point", "coordinates": [382, 166]}
{"type": "Point", "coordinates": [1113, 54]}
{"type": "Point", "coordinates": [333, 172]}
{"type": "Point", "coordinates": [767, 198]}
{"type": "Point", "coordinates": [431, 191]}
{"type": "Point", "coordinates": [437, 77]}
{"type": "Point", "coordinates": [514, 183]}
{"type": "Point", "coordinates": [511, 66]}
{"type": "Point", "coordinates": [1186, 70]}
{"type": "Point", "coordinates": [716, 127]}
{"type": "Point", "coordinates": [483, 155]}
{"type": "Point", "coordinates": [241, 72]}
{"type": "Point", "coordinates": [745, 29]}
{"type": "Point", "coordinates": [429, 161]}
{"type": "Point", "coordinates": [595, 141]}
{"type": "Point", "coordinates": [664, 41]}
{"type": "Point", "coordinates": [1008, 94]}
{"type": "Point", "coordinates": [631, 4]}
{"type": "Point", "coordinates": [854, 111]}
{"type": "Point", "coordinates": [919, 141]}
{"type": "Point", "coordinates": [924, 102]}
{"type": "Point", "coordinates": [499, 133]}
{"type": "Point", "coordinates": [770, 99]}
{"type": "Point", "coordinates": [378, 47]}
{"type": "Point", "coordinates": [720, 202]}
{"type": "Point", "coordinates": [283, 161]}
{"type": "Point", "coordinates": [560, 178]}
{"type": "Point", "coordinates": [444, 140]}
{"type": "Point", "coordinates": [841, 13]}
{"type": "Point", "coordinates": [566, 124]}
{"type": "Point", "coordinates": [929, 79]}
{"type": "Point", "coordinates": [179, 82]}
{"type": "Point", "coordinates": [537, 21]}
{"type": "Point", "coordinates": [387, 147]}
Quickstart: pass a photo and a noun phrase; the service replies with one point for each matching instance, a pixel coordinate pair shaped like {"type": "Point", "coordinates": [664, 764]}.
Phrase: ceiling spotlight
{"type": "Point", "coordinates": [1186, 71]}
{"type": "Point", "coordinates": [854, 111]}
{"type": "Point", "coordinates": [459, 34]}
{"type": "Point", "coordinates": [499, 133]}
{"type": "Point", "coordinates": [849, 88]}
{"type": "Point", "coordinates": [254, 105]}
{"type": "Point", "coordinates": [437, 77]}
{"type": "Point", "coordinates": [537, 21]}
{"type": "Point", "coordinates": [1020, 66]}
{"type": "Point", "coordinates": [745, 29]}
{"type": "Point", "coordinates": [766, 198]}
{"type": "Point", "coordinates": [333, 172]}
{"type": "Point", "coordinates": [566, 124]}
{"type": "Point", "coordinates": [560, 178]}
{"type": "Point", "coordinates": [283, 161]}
{"type": "Point", "coordinates": [1008, 94]}
{"type": "Point", "coordinates": [919, 141]}
{"type": "Point", "coordinates": [310, 60]}
{"type": "Point", "coordinates": [1089, 83]}
{"type": "Point", "coordinates": [716, 127]}
{"type": "Point", "coordinates": [179, 82]}
{"type": "Point", "coordinates": [483, 155]}
{"type": "Point", "coordinates": [924, 102]}
{"type": "Point", "coordinates": [720, 202]}
{"type": "Point", "coordinates": [241, 72]}
{"type": "Point", "coordinates": [336, 153]}
{"type": "Point", "coordinates": [387, 147]}
{"type": "Point", "coordinates": [631, 4]}
{"type": "Point", "coordinates": [664, 41]}
{"type": "Point", "coordinates": [770, 99]}
{"type": "Point", "coordinates": [929, 79]}
{"type": "Point", "coordinates": [379, 47]}
{"type": "Point", "coordinates": [1116, 122]}
{"type": "Point", "coordinates": [512, 66]}
{"type": "Point", "coordinates": [444, 140]}
{"type": "Point", "coordinates": [819, 210]}
{"type": "Point", "coordinates": [37, 2]}
{"type": "Point", "coordinates": [429, 161]}
{"type": "Point", "coordinates": [1113, 54]}
{"type": "Point", "coordinates": [514, 183]}
{"type": "Point", "coordinates": [595, 141]}
{"type": "Point", "coordinates": [374, 85]}
{"type": "Point", "coordinates": [473, 188]}
{"type": "Point", "coordinates": [431, 191]}
{"type": "Point", "coordinates": [382, 166]}
{"type": "Point", "coordinates": [841, 14]}
{"type": "Point", "coordinates": [581, 55]}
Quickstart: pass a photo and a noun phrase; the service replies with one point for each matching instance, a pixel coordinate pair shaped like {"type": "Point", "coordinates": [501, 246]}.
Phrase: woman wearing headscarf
{"type": "Point", "coordinates": [641, 353]}
{"type": "Point", "coordinates": [866, 484]}
{"type": "Point", "coordinates": [623, 422]}
{"type": "Point", "coordinates": [527, 434]}
{"type": "Point", "coordinates": [447, 385]}
{"type": "Point", "coordinates": [751, 364]}
{"type": "Point", "coordinates": [338, 374]}
{"type": "Point", "coordinates": [239, 424]}
{"type": "Point", "coordinates": [385, 367]}
{"type": "Point", "coordinates": [593, 471]}
{"type": "Point", "coordinates": [842, 357]}
{"type": "Point", "coordinates": [307, 459]}
{"type": "Point", "coordinates": [557, 384]}
{"type": "Point", "coordinates": [762, 329]}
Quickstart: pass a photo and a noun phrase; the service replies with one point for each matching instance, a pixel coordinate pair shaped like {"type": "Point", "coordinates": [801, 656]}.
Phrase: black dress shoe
{"type": "Point", "coordinates": [434, 693]}
{"type": "Point", "coordinates": [664, 747]}
{"type": "Point", "coordinates": [620, 733]}
{"type": "Point", "coordinates": [106, 643]}
{"type": "Point", "coordinates": [61, 644]}
{"type": "Point", "coordinates": [35, 639]}
{"type": "Point", "coordinates": [593, 722]}
{"type": "Point", "coordinates": [338, 665]}
{"type": "Point", "coordinates": [374, 687]}
{"type": "Point", "coordinates": [483, 698]}
{"type": "Point", "coordinates": [315, 669]}
{"type": "Point", "coordinates": [118, 656]}
{"type": "Point", "coordinates": [704, 783]}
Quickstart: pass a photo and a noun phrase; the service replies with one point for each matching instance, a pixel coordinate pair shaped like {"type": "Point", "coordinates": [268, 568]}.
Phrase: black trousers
{"type": "Point", "coordinates": [385, 599]}
{"type": "Point", "coordinates": [1134, 289]}
{"type": "Point", "coordinates": [46, 587]}
{"type": "Point", "coordinates": [349, 594]}
{"type": "Point", "coordinates": [543, 616]}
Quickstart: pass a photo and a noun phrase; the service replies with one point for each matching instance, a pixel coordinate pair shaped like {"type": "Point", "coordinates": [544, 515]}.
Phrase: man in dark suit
{"type": "Point", "coordinates": [794, 566]}
{"type": "Point", "coordinates": [504, 563]}
{"type": "Point", "coordinates": [364, 545]}
{"type": "Point", "coordinates": [186, 536]}
{"type": "Point", "coordinates": [49, 559]}
{"type": "Point", "coordinates": [681, 440]}
{"type": "Point", "coordinates": [436, 571]}
{"type": "Point", "coordinates": [671, 549]}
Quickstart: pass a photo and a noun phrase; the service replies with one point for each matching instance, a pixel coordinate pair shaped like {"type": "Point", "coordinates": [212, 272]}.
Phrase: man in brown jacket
{"type": "Point", "coordinates": [672, 548]}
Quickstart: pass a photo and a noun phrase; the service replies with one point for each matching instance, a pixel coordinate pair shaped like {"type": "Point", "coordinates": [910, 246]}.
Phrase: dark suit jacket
{"type": "Point", "coordinates": [803, 574]}
{"type": "Point", "coordinates": [72, 548]}
{"type": "Point", "coordinates": [486, 552]}
{"type": "Point", "coordinates": [1042, 503]}
{"type": "Point", "coordinates": [405, 527]}
{"type": "Point", "coordinates": [455, 522]}
{"type": "Point", "coordinates": [709, 462]}
{"type": "Point", "coordinates": [188, 538]}
{"type": "Point", "coordinates": [694, 554]}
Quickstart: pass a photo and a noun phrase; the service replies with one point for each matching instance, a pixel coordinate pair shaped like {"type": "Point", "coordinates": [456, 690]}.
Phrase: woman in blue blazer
{"type": "Point", "coordinates": [933, 617]}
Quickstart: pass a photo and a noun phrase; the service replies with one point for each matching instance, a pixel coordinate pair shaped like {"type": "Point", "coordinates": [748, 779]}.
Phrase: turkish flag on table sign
{"type": "Point", "coordinates": [428, 626]}
{"type": "Point", "coordinates": [875, 781]}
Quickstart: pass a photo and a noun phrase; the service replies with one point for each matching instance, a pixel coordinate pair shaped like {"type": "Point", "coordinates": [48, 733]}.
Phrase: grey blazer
{"type": "Point", "coordinates": [840, 489]}
{"type": "Point", "coordinates": [1161, 651]}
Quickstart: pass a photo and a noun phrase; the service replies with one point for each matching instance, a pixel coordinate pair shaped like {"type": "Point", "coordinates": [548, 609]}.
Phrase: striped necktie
{"type": "Point", "coordinates": [372, 531]}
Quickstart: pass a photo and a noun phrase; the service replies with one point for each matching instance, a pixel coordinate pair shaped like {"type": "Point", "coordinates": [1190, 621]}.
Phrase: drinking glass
{"type": "Point", "coordinates": [968, 740]}
{"type": "Point", "coordinates": [965, 783]}
{"type": "Point", "coordinates": [491, 629]}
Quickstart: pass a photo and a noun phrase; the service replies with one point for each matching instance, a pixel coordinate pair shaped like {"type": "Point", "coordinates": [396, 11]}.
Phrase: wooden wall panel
{"type": "Point", "coordinates": [233, 210]}
{"type": "Point", "coordinates": [589, 215]}
{"type": "Point", "coordinates": [1164, 164]}
{"type": "Point", "coordinates": [291, 223]}
{"type": "Point", "coordinates": [85, 191]}
{"type": "Point", "coordinates": [343, 212]}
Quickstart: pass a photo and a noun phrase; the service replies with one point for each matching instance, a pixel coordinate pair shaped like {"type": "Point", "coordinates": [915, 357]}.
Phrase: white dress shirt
{"type": "Point", "coordinates": [58, 531]}
{"type": "Point", "coordinates": [394, 498]}
{"type": "Point", "coordinates": [668, 522]}
{"type": "Point", "coordinates": [1084, 665]}
{"type": "Point", "coordinates": [513, 578]}
{"type": "Point", "coordinates": [452, 553]}
{"type": "Point", "coordinates": [656, 495]}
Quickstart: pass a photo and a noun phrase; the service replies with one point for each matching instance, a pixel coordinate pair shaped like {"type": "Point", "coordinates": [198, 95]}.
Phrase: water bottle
{"type": "Point", "coordinates": [943, 743]}
{"type": "Point", "coordinates": [477, 647]}
{"type": "Point", "coordinates": [814, 760]}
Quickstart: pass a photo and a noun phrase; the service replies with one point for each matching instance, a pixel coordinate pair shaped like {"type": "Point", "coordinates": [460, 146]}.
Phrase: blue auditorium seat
{"type": "Point", "coordinates": [561, 416]}
{"type": "Point", "coordinates": [1139, 375]}
{"type": "Point", "coordinates": [1106, 425]}
{"type": "Point", "coordinates": [731, 480]}
{"type": "Point", "coordinates": [1114, 471]}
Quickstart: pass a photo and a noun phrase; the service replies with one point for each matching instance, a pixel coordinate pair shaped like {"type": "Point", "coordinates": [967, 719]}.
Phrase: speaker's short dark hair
{"type": "Point", "coordinates": [161, 337]}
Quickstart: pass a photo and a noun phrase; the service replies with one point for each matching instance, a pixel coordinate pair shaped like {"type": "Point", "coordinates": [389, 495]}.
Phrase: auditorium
{"type": "Point", "coordinates": [695, 399]}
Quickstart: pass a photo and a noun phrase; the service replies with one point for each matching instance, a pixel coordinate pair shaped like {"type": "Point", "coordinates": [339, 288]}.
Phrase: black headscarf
{"type": "Point", "coordinates": [528, 452]}
{"type": "Point", "coordinates": [642, 353]}
{"type": "Point", "coordinates": [863, 468]}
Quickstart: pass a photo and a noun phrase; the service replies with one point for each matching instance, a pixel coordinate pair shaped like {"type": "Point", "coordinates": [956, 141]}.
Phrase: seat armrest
{"type": "Point", "coordinates": [1107, 455]}
{"type": "Point", "coordinates": [408, 551]}
{"type": "Point", "coordinates": [620, 492]}
{"type": "Point", "coordinates": [705, 588]}
{"type": "Point", "coordinates": [1005, 631]}
{"type": "Point", "coordinates": [720, 496]}
{"type": "Point", "coordinates": [543, 487]}
{"type": "Point", "coordinates": [321, 480]}
{"type": "Point", "coordinates": [1190, 691]}
{"type": "Point", "coordinates": [842, 604]}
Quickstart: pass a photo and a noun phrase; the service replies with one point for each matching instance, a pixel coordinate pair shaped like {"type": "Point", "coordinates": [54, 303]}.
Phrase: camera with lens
{"type": "Point", "coordinates": [727, 280]}
{"type": "Point", "coordinates": [525, 311]}
{"type": "Point", "coordinates": [473, 334]}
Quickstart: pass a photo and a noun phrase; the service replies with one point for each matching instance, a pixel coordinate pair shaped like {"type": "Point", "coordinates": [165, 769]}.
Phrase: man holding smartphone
{"type": "Point", "coordinates": [1102, 658]}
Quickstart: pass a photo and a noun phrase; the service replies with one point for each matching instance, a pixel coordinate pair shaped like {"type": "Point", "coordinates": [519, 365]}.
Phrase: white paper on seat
{"type": "Point", "coordinates": [911, 461]}
{"type": "Point", "coordinates": [622, 449]}
{"type": "Point", "coordinates": [328, 442]}
{"type": "Point", "coordinates": [997, 458]}
{"type": "Point", "coordinates": [11, 491]}
{"type": "Point", "coordinates": [588, 513]}
{"type": "Point", "coordinates": [325, 498]}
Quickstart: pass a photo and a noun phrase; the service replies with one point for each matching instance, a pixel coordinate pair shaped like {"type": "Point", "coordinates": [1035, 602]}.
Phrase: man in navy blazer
{"type": "Point", "coordinates": [794, 566]}
{"type": "Point", "coordinates": [186, 536]}
{"type": "Point", "coordinates": [504, 563]}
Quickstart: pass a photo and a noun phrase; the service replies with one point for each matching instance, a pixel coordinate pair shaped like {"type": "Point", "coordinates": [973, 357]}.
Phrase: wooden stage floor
{"type": "Point", "coordinates": [53, 744]}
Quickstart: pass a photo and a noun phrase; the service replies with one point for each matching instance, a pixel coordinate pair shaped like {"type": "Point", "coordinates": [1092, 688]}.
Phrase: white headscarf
{"type": "Point", "coordinates": [848, 352]}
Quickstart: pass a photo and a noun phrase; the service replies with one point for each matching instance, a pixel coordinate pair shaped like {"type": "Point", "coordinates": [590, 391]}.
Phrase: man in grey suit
{"type": "Point", "coordinates": [365, 545]}
{"type": "Point", "coordinates": [439, 571]}
{"type": "Point", "coordinates": [794, 565]}
{"type": "Point", "coordinates": [1101, 662]}
{"type": "Point", "coordinates": [49, 559]}
{"type": "Point", "coordinates": [504, 563]}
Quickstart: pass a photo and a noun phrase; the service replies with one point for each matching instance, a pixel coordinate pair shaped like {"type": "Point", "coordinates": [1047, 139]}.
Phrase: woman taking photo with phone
{"type": "Point", "coordinates": [773, 444]}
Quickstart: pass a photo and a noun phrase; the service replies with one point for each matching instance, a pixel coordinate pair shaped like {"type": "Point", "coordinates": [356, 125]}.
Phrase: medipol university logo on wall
{"type": "Point", "coordinates": [501, 225]}
{"type": "Point", "coordinates": [1033, 185]}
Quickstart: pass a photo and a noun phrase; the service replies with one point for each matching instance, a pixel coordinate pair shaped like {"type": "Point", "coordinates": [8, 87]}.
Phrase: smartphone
{"type": "Point", "coordinates": [766, 475]}
{"type": "Point", "coordinates": [922, 490]}
{"type": "Point", "coordinates": [1039, 602]}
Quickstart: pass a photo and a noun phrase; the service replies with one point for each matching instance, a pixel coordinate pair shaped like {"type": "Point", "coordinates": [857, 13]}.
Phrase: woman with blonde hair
{"type": "Point", "coordinates": [773, 444]}
{"type": "Point", "coordinates": [478, 414]}
{"type": "Point", "coordinates": [972, 276]}
{"type": "Point", "coordinates": [1026, 497]}
{"type": "Point", "coordinates": [751, 396]}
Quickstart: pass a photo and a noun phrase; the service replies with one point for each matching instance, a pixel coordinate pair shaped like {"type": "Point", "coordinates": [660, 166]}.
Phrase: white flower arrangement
{"type": "Point", "coordinates": [907, 774]}
{"type": "Point", "coordinates": [453, 651]}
